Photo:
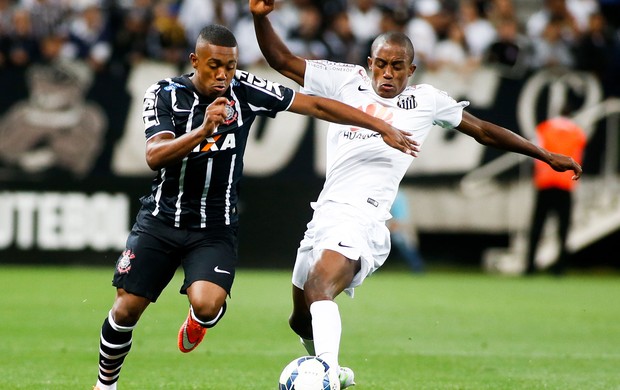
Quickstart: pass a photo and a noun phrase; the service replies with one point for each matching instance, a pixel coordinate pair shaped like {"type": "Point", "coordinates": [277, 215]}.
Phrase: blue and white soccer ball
{"type": "Point", "coordinates": [309, 373]}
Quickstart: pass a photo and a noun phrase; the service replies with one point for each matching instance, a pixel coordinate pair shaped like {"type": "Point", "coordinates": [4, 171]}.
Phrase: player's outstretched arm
{"type": "Point", "coordinates": [278, 56]}
{"type": "Point", "coordinates": [334, 111]}
{"type": "Point", "coordinates": [164, 149]}
{"type": "Point", "coordinates": [499, 137]}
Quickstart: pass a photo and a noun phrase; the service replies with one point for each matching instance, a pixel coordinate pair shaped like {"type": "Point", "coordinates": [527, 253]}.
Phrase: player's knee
{"type": "Point", "coordinates": [125, 315]}
{"type": "Point", "coordinates": [209, 312]}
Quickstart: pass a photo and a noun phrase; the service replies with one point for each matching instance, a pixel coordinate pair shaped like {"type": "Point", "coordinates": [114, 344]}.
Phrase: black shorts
{"type": "Point", "coordinates": [155, 250]}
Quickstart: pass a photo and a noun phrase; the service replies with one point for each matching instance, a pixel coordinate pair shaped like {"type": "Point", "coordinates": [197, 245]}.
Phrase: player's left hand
{"type": "Point", "coordinates": [561, 163]}
{"type": "Point", "coordinates": [401, 140]}
{"type": "Point", "coordinates": [261, 7]}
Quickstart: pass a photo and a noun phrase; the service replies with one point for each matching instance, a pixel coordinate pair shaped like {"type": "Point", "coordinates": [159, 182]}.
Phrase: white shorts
{"type": "Point", "coordinates": [347, 230]}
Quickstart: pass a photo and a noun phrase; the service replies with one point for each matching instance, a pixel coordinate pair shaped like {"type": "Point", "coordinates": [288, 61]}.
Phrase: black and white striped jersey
{"type": "Point", "coordinates": [202, 190]}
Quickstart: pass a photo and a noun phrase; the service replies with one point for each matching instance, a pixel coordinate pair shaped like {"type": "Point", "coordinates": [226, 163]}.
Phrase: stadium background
{"type": "Point", "coordinates": [75, 202]}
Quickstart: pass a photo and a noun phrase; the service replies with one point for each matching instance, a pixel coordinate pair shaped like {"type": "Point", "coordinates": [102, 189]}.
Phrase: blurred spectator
{"type": "Point", "coordinates": [195, 14]}
{"type": "Point", "coordinates": [51, 48]}
{"type": "Point", "coordinates": [500, 10]}
{"type": "Point", "coordinates": [595, 48]}
{"type": "Point", "coordinates": [479, 32]}
{"type": "Point", "coordinates": [166, 39]}
{"type": "Point", "coordinates": [130, 39]}
{"type": "Point", "coordinates": [452, 53]}
{"type": "Point", "coordinates": [550, 49]}
{"type": "Point", "coordinates": [422, 30]}
{"type": "Point", "coordinates": [510, 49]}
{"type": "Point", "coordinates": [89, 37]}
{"type": "Point", "coordinates": [306, 40]}
{"type": "Point", "coordinates": [284, 19]}
{"type": "Point", "coordinates": [582, 10]}
{"type": "Point", "coordinates": [19, 46]}
{"type": "Point", "coordinates": [554, 189]}
{"type": "Point", "coordinates": [341, 42]}
{"type": "Point", "coordinates": [364, 17]}
{"type": "Point", "coordinates": [557, 11]}
{"type": "Point", "coordinates": [6, 10]}
{"type": "Point", "coordinates": [49, 17]}
{"type": "Point", "coordinates": [392, 19]}
{"type": "Point", "coordinates": [403, 234]}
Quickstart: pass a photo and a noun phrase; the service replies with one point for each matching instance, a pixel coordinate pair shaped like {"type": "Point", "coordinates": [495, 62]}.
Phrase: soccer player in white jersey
{"type": "Point", "coordinates": [347, 238]}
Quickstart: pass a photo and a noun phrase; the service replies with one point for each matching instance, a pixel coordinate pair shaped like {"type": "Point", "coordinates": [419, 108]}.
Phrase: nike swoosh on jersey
{"type": "Point", "coordinates": [343, 245]}
{"type": "Point", "coordinates": [220, 271]}
{"type": "Point", "coordinates": [359, 88]}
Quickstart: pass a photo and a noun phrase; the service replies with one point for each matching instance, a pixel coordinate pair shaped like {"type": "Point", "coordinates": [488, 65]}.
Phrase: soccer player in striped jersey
{"type": "Point", "coordinates": [196, 129]}
{"type": "Point", "coordinates": [347, 238]}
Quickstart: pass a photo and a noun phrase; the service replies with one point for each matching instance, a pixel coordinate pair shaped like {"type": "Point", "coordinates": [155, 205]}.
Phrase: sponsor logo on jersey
{"type": "Point", "coordinates": [212, 145]}
{"type": "Point", "coordinates": [376, 110]}
{"type": "Point", "coordinates": [266, 86]}
{"type": "Point", "coordinates": [172, 86]}
{"type": "Point", "coordinates": [123, 265]}
{"type": "Point", "coordinates": [407, 102]}
{"type": "Point", "coordinates": [372, 202]}
{"type": "Point", "coordinates": [354, 134]}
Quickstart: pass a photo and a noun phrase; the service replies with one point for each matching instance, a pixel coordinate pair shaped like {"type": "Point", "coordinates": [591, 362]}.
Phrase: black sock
{"type": "Point", "coordinates": [114, 345]}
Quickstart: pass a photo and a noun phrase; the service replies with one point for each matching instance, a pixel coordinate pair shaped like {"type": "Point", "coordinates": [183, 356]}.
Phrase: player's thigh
{"type": "Point", "coordinates": [149, 260]}
{"type": "Point", "coordinates": [211, 256]}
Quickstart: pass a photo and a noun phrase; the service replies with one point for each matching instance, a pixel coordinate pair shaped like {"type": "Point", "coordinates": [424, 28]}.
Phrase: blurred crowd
{"type": "Point", "coordinates": [516, 35]}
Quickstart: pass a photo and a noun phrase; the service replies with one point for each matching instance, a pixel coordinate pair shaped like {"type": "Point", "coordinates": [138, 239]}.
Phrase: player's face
{"type": "Point", "coordinates": [215, 68]}
{"type": "Point", "coordinates": [391, 68]}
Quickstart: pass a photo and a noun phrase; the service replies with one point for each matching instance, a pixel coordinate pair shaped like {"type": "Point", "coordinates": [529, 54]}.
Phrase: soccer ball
{"type": "Point", "coordinates": [309, 373]}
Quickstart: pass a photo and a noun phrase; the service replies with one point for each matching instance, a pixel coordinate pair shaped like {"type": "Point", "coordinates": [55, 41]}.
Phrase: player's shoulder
{"type": "Point", "coordinates": [168, 85]}
{"type": "Point", "coordinates": [333, 66]}
{"type": "Point", "coordinates": [423, 88]}
{"type": "Point", "coordinates": [256, 85]}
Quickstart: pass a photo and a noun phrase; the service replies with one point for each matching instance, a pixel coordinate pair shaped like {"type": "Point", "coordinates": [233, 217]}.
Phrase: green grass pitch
{"type": "Point", "coordinates": [442, 330]}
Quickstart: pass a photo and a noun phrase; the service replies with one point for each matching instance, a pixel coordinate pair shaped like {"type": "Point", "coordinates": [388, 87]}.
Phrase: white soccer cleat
{"type": "Point", "coordinates": [347, 377]}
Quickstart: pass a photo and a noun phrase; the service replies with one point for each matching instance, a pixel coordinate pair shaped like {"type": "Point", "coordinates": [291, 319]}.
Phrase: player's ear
{"type": "Point", "coordinates": [369, 59]}
{"type": "Point", "coordinates": [412, 69]}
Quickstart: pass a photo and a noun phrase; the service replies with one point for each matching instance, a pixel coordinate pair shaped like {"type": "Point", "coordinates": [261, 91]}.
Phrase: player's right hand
{"type": "Point", "coordinates": [215, 115]}
{"type": "Point", "coordinates": [561, 163]}
{"type": "Point", "coordinates": [261, 7]}
{"type": "Point", "coordinates": [401, 140]}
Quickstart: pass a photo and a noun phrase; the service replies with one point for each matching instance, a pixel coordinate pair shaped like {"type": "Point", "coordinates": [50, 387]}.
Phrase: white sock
{"type": "Point", "coordinates": [326, 329]}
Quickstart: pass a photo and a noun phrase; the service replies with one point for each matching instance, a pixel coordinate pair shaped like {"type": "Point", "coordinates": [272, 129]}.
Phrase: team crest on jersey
{"type": "Point", "coordinates": [231, 113]}
{"type": "Point", "coordinates": [407, 102]}
{"type": "Point", "coordinates": [124, 262]}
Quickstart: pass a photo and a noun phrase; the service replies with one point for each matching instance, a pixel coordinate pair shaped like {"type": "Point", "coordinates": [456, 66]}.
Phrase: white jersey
{"type": "Point", "coordinates": [362, 170]}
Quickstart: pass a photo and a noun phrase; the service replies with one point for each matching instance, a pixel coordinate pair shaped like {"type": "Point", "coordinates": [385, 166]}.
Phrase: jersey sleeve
{"type": "Point", "coordinates": [157, 111]}
{"type": "Point", "coordinates": [448, 112]}
{"type": "Point", "coordinates": [265, 97]}
{"type": "Point", "coordinates": [325, 78]}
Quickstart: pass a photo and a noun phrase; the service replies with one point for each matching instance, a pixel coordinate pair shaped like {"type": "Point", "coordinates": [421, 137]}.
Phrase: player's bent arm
{"type": "Point", "coordinates": [334, 111]}
{"type": "Point", "coordinates": [278, 56]}
{"type": "Point", "coordinates": [490, 134]}
{"type": "Point", "coordinates": [164, 149]}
